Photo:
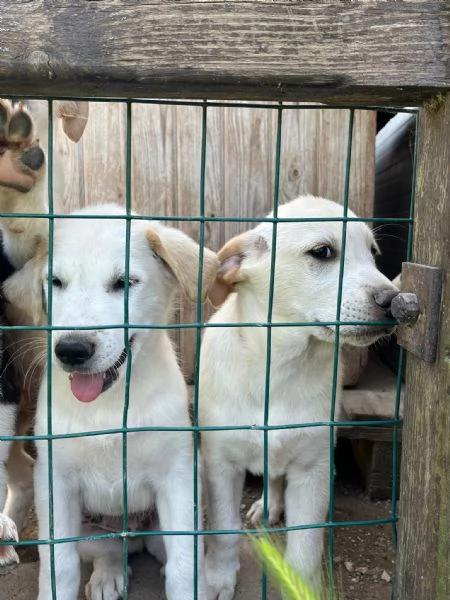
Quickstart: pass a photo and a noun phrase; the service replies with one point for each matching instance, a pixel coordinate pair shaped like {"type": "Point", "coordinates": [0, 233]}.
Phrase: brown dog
{"type": "Point", "coordinates": [23, 189]}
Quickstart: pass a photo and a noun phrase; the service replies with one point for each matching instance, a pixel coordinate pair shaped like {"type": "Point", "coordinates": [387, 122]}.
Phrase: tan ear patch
{"type": "Point", "coordinates": [181, 254]}
{"type": "Point", "coordinates": [231, 256]}
{"type": "Point", "coordinates": [23, 290]}
{"type": "Point", "coordinates": [228, 274]}
{"type": "Point", "coordinates": [74, 117]}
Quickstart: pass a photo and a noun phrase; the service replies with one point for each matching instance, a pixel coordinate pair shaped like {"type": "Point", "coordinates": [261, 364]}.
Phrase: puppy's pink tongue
{"type": "Point", "coordinates": [86, 387]}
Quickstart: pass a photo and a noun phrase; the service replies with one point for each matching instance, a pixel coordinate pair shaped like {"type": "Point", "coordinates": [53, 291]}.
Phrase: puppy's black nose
{"type": "Point", "coordinates": [73, 352]}
{"type": "Point", "coordinates": [384, 298]}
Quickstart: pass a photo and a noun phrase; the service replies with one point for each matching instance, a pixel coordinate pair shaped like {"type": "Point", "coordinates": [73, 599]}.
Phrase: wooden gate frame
{"type": "Point", "coordinates": [348, 53]}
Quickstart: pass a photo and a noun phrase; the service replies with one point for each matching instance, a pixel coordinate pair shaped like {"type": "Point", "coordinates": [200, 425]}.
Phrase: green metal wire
{"type": "Point", "coordinates": [336, 356]}
{"type": "Point", "coordinates": [128, 349]}
{"type": "Point", "coordinates": [201, 218]}
{"type": "Point", "coordinates": [269, 336]}
{"type": "Point", "coordinates": [205, 532]}
{"type": "Point", "coordinates": [198, 338]}
{"type": "Point", "coordinates": [204, 218]}
{"type": "Point", "coordinates": [221, 104]}
{"type": "Point", "coordinates": [49, 349]}
{"type": "Point", "coordinates": [59, 436]}
{"type": "Point", "coordinates": [260, 324]}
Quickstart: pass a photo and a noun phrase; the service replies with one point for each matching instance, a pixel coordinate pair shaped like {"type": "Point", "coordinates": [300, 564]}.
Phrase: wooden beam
{"type": "Point", "coordinates": [423, 563]}
{"type": "Point", "coordinates": [352, 52]}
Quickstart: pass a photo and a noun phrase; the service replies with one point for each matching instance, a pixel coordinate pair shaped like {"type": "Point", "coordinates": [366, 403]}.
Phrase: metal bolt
{"type": "Point", "coordinates": [405, 308]}
{"type": "Point", "coordinates": [385, 297]}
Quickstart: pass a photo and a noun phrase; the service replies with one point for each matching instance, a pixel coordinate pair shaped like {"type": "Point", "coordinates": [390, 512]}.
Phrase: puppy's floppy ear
{"type": "Point", "coordinates": [231, 256]}
{"type": "Point", "coordinates": [24, 291]}
{"type": "Point", "coordinates": [74, 116]}
{"type": "Point", "coordinates": [181, 254]}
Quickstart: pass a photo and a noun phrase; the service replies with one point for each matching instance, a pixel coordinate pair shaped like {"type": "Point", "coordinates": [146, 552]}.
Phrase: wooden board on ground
{"type": "Point", "coordinates": [374, 398]}
{"type": "Point", "coordinates": [373, 446]}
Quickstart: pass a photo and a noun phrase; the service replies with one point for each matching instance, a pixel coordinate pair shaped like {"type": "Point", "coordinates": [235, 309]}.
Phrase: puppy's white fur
{"type": "Point", "coordinates": [233, 375]}
{"type": "Point", "coordinates": [89, 257]}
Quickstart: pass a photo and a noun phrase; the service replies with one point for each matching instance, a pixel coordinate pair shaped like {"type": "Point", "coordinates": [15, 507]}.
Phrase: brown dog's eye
{"type": "Point", "coordinates": [322, 252]}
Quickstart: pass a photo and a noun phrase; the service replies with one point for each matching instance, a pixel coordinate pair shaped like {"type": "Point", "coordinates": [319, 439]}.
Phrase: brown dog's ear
{"type": "Point", "coordinates": [181, 254]}
{"type": "Point", "coordinates": [24, 291]}
{"type": "Point", "coordinates": [74, 116]}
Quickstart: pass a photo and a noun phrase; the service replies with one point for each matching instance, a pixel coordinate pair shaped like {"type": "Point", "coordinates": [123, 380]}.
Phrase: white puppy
{"type": "Point", "coordinates": [88, 389]}
{"type": "Point", "coordinates": [233, 374]}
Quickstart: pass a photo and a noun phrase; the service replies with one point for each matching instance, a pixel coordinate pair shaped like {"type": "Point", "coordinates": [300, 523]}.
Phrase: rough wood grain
{"type": "Point", "coordinates": [239, 177]}
{"type": "Point", "coordinates": [359, 52]}
{"type": "Point", "coordinates": [424, 557]}
{"type": "Point", "coordinates": [374, 460]}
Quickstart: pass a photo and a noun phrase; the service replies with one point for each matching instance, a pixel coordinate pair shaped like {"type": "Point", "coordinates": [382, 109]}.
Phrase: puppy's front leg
{"type": "Point", "coordinates": [306, 497]}
{"type": "Point", "coordinates": [8, 529]}
{"type": "Point", "coordinates": [67, 523]}
{"type": "Point", "coordinates": [175, 505]}
{"type": "Point", "coordinates": [224, 492]}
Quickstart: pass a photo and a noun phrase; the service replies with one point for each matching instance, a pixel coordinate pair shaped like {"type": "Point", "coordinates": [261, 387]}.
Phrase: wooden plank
{"type": "Point", "coordinates": [419, 337]}
{"type": "Point", "coordinates": [423, 565]}
{"type": "Point", "coordinates": [373, 434]}
{"type": "Point", "coordinates": [358, 52]}
{"type": "Point", "coordinates": [375, 461]}
{"type": "Point", "coordinates": [374, 398]}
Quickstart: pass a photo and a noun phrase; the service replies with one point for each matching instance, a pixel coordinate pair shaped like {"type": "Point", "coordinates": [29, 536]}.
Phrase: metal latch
{"type": "Point", "coordinates": [418, 313]}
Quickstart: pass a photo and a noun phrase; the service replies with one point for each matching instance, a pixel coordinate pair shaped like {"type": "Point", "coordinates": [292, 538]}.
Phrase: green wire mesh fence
{"type": "Point", "coordinates": [202, 219]}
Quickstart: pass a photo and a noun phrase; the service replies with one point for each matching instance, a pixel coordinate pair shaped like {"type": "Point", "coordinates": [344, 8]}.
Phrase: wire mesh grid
{"type": "Point", "coordinates": [197, 528]}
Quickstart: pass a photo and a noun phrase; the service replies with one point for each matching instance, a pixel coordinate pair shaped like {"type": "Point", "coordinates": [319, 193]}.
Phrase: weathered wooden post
{"type": "Point", "coordinates": [423, 568]}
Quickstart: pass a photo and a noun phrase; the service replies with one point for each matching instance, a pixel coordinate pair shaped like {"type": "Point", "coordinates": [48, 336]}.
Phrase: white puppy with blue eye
{"type": "Point", "coordinates": [233, 374]}
{"type": "Point", "coordinates": [88, 392]}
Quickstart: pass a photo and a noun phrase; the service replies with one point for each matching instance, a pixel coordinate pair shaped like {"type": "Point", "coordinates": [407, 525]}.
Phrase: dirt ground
{"type": "Point", "coordinates": [363, 556]}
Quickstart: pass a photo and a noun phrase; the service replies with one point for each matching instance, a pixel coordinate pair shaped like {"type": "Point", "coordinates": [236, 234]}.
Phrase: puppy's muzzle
{"type": "Point", "coordinates": [74, 352]}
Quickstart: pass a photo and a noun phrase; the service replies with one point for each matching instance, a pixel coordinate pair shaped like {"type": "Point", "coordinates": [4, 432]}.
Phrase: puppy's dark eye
{"type": "Point", "coordinates": [322, 252]}
{"type": "Point", "coordinates": [119, 283]}
{"type": "Point", "coordinates": [56, 282]}
{"type": "Point", "coordinates": [374, 251]}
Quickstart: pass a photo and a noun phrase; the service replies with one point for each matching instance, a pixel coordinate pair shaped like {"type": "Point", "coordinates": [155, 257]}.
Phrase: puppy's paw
{"type": "Point", "coordinates": [256, 512]}
{"type": "Point", "coordinates": [225, 593]}
{"type": "Point", "coordinates": [220, 579]}
{"type": "Point", "coordinates": [106, 583]}
{"type": "Point", "coordinates": [8, 532]}
{"type": "Point", "coordinates": [22, 160]}
{"type": "Point", "coordinates": [8, 556]}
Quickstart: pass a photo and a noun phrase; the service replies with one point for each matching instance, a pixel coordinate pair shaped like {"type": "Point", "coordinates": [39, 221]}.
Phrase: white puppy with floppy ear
{"type": "Point", "coordinates": [233, 374]}
{"type": "Point", "coordinates": [88, 390]}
